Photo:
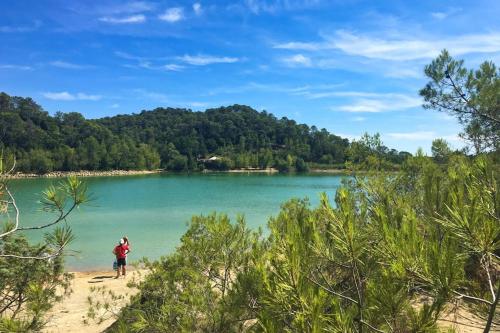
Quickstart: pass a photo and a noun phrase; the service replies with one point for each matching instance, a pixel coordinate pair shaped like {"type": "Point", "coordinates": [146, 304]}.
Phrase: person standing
{"type": "Point", "coordinates": [120, 251]}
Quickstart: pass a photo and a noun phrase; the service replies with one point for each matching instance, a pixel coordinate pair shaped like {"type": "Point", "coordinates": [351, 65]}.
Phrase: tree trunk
{"type": "Point", "coordinates": [492, 311]}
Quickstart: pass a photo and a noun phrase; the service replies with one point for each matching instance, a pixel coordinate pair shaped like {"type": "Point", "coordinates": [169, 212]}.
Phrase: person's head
{"type": "Point", "coordinates": [125, 239]}
{"type": "Point", "coordinates": [121, 241]}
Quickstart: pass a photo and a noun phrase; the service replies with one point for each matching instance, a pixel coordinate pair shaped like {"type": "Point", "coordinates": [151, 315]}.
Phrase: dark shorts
{"type": "Point", "coordinates": [121, 262]}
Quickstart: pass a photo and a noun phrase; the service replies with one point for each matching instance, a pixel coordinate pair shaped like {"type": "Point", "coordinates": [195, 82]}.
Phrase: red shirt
{"type": "Point", "coordinates": [121, 251]}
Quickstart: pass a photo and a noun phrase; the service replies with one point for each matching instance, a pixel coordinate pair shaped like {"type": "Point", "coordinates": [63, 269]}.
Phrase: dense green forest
{"type": "Point", "coordinates": [176, 139]}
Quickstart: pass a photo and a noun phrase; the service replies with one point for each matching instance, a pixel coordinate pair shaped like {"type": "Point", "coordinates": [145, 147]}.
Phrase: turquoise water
{"type": "Point", "coordinates": [152, 210]}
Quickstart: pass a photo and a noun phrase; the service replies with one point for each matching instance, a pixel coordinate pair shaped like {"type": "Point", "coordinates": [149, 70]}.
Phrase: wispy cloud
{"type": "Point", "coordinates": [424, 135]}
{"type": "Point", "coordinates": [128, 56]}
{"type": "Point", "coordinates": [67, 65]}
{"type": "Point", "coordinates": [197, 8]}
{"type": "Point", "coordinates": [441, 15]}
{"type": "Point", "coordinates": [66, 96]}
{"type": "Point", "coordinates": [172, 15]}
{"type": "Point", "coordinates": [129, 7]}
{"type": "Point", "coordinates": [171, 100]}
{"type": "Point", "coordinates": [173, 67]}
{"type": "Point", "coordinates": [21, 28]}
{"type": "Point", "coordinates": [399, 49]}
{"type": "Point", "coordinates": [274, 6]}
{"type": "Point", "coordinates": [131, 19]}
{"type": "Point", "coordinates": [16, 67]}
{"type": "Point", "coordinates": [115, 106]}
{"type": "Point", "coordinates": [418, 135]}
{"type": "Point", "coordinates": [297, 60]}
{"type": "Point", "coordinates": [306, 46]}
{"type": "Point", "coordinates": [375, 103]}
{"type": "Point", "coordinates": [202, 60]}
{"type": "Point", "coordinates": [358, 119]}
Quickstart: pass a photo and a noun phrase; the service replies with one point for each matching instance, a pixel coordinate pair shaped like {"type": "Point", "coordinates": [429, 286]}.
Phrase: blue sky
{"type": "Point", "coordinates": [348, 66]}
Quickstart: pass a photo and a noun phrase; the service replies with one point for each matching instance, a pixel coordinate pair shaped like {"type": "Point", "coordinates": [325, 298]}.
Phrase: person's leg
{"type": "Point", "coordinates": [123, 270]}
{"type": "Point", "coordinates": [117, 272]}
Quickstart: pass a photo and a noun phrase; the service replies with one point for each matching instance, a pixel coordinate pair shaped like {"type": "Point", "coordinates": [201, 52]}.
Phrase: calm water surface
{"type": "Point", "coordinates": [153, 209]}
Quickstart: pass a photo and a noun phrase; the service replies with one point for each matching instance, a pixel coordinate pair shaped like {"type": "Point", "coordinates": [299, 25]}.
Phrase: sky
{"type": "Point", "coordinates": [348, 66]}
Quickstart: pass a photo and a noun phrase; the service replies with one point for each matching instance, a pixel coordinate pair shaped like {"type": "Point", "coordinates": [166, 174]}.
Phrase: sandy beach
{"type": "Point", "coordinates": [69, 315]}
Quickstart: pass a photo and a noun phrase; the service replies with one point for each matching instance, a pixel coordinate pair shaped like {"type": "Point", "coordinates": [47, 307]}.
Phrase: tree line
{"type": "Point", "coordinates": [176, 139]}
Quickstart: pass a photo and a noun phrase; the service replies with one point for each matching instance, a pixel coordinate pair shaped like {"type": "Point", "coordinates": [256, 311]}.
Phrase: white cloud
{"type": "Point", "coordinates": [139, 18]}
{"type": "Point", "coordinates": [66, 65]}
{"type": "Point", "coordinates": [133, 7]}
{"type": "Point", "coordinates": [359, 119]}
{"type": "Point", "coordinates": [297, 60]}
{"type": "Point", "coordinates": [400, 49]}
{"type": "Point", "coordinates": [115, 106]}
{"type": "Point", "coordinates": [66, 96]}
{"type": "Point", "coordinates": [306, 46]}
{"type": "Point", "coordinates": [202, 60]}
{"type": "Point", "coordinates": [18, 67]}
{"type": "Point", "coordinates": [418, 135]}
{"type": "Point", "coordinates": [424, 135]}
{"type": "Point", "coordinates": [197, 8]}
{"type": "Point", "coordinates": [273, 6]}
{"type": "Point", "coordinates": [439, 15]}
{"type": "Point", "coordinates": [378, 102]}
{"type": "Point", "coordinates": [172, 15]}
{"type": "Point", "coordinates": [173, 67]}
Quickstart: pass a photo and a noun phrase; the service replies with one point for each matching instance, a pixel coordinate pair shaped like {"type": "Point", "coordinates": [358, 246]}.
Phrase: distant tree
{"type": "Point", "coordinates": [177, 163]}
{"type": "Point", "coordinates": [441, 150]}
{"type": "Point", "coordinates": [301, 165]}
{"type": "Point", "coordinates": [242, 135]}
{"type": "Point", "coordinates": [40, 161]}
{"type": "Point", "coordinates": [473, 96]}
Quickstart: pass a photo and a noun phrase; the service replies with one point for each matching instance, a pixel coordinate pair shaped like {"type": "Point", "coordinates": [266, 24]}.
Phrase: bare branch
{"type": "Point", "coordinates": [333, 292]}
{"type": "Point", "coordinates": [486, 265]}
{"type": "Point", "coordinates": [46, 257]}
{"type": "Point", "coordinates": [61, 217]}
{"type": "Point", "coordinates": [467, 101]}
{"type": "Point", "coordinates": [472, 298]}
{"type": "Point", "coordinates": [370, 326]}
{"type": "Point", "coordinates": [16, 225]}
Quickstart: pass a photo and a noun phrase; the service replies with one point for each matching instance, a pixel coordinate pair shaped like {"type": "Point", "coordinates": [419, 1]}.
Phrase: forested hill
{"type": "Point", "coordinates": [175, 139]}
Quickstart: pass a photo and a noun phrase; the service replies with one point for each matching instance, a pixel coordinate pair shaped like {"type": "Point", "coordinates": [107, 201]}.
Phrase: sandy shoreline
{"type": "Point", "coordinates": [69, 315]}
{"type": "Point", "coordinates": [84, 173]}
{"type": "Point", "coordinates": [87, 173]}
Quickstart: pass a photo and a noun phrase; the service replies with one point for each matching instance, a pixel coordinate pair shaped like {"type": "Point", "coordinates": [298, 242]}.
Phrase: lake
{"type": "Point", "coordinates": [153, 210]}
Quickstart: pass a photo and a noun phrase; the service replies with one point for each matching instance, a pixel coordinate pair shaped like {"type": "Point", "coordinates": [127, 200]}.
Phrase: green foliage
{"type": "Point", "coordinates": [174, 139]}
{"type": "Point", "coordinates": [390, 255]}
{"type": "Point", "coordinates": [441, 150]}
{"type": "Point", "coordinates": [198, 288]}
{"type": "Point", "coordinates": [32, 276]}
{"type": "Point", "coordinates": [29, 286]}
{"type": "Point", "coordinates": [370, 154]}
{"type": "Point", "coordinates": [470, 95]}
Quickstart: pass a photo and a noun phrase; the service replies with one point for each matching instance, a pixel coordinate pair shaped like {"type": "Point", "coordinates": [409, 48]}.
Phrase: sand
{"type": "Point", "coordinates": [69, 315]}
